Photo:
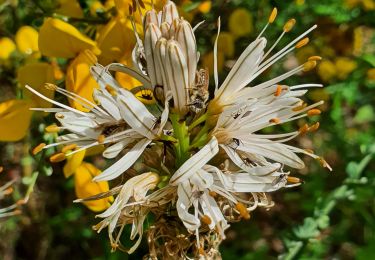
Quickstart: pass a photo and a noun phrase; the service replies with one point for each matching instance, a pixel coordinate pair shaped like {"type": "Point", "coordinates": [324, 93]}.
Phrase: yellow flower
{"type": "Point", "coordinates": [7, 46]}
{"type": "Point", "coordinates": [327, 70]}
{"type": "Point", "coordinates": [368, 5]}
{"type": "Point", "coordinates": [240, 22]}
{"type": "Point", "coordinates": [115, 40]}
{"type": "Point", "coordinates": [70, 8]}
{"type": "Point", "coordinates": [344, 66]}
{"type": "Point", "coordinates": [204, 7]}
{"type": "Point", "coordinates": [125, 80]}
{"type": "Point", "coordinates": [36, 75]}
{"type": "Point", "coordinates": [15, 116]}
{"type": "Point", "coordinates": [122, 7]}
{"type": "Point", "coordinates": [27, 40]}
{"type": "Point", "coordinates": [73, 162]}
{"type": "Point", "coordinates": [96, 6]}
{"type": "Point", "coordinates": [78, 77]}
{"type": "Point", "coordinates": [208, 62]}
{"type": "Point", "coordinates": [371, 74]}
{"type": "Point", "coordinates": [85, 187]}
{"type": "Point", "coordinates": [60, 39]}
{"type": "Point", "coordinates": [226, 44]}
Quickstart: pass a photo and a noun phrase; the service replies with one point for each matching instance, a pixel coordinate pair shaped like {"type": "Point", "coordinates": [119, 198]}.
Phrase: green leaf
{"type": "Point", "coordinates": [364, 114]}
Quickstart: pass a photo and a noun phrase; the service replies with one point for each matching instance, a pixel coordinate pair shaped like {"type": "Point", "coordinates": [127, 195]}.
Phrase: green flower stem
{"type": "Point", "coordinates": [181, 133]}
{"type": "Point", "coordinates": [200, 120]}
{"type": "Point", "coordinates": [201, 138]}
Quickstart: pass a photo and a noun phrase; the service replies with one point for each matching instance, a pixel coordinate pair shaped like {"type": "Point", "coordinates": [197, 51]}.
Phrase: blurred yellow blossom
{"type": "Point", "coordinates": [205, 7]}
{"type": "Point", "coordinates": [371, 74]}
{"type": "Point", "coordinates": [69, 8]}
{"type": "Point", "coordinates": [27, 40]}
{"type": "Point", "coordinates": [15, 116]}
{"type": "Point", "coordinates": [85, 187]}
{"type": "Point", "coordinates": [240, 22]}
{"type": "Point", "coordinates": [7, 46]}
{"type": "Point", "coordinates": [208, 62]}
{"type": "Point", "coordinates": [125, 80]}
{"type": "Point", "coordinates": [344, 66]}
{"type": "Point", "coordinates": [368, 5]}
{"type": "Point", "coordinates": [36, 75]}
{"type": "Point", "coordinates": [78, 78]}
{"type": "Point", "coordinates": [226, 44]}
{"type": "Point", "coordinates": [60, 39]}
{"type": "Point", "coordinates": [327, 70]}
{"type": "Point", "coordinates": [96, 6]}
{"type": "Point", "coordinates": [115, 39]}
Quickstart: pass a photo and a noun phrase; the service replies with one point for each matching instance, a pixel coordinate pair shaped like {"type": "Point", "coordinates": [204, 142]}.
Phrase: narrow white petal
{"type": "Point", "coordinates": [124, 163]}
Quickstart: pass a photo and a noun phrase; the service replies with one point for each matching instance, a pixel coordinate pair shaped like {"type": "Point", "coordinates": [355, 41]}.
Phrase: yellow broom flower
{"type": "Point", "coordinates": [60, 39]}
{"type": "Point", "coordinates": [78, 77]}
{"type": "Point", "coordinates": [240, 22]}
{"type": "Point", "coordinates": [7, 46]}
{"type": "Point", "coordinates": [15, 116]}
{"type": "Point", "coordinates": [85, 187]}
{"type": "Point", "coordinates": [27, 40]}
{"type": "Point", "coordinates": [70, 8]}
{"type": "Point", "coordinates": [73, 162]}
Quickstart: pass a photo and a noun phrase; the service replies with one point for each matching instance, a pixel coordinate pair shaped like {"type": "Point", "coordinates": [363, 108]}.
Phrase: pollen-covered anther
{"type": "Point", "coordinates": [302, 43]}
{"type": "Point", "coordinates": [278, 91]}
{"type": "Point", "coordinates": [101, 139]}
{"type": "Point", "coordinates": [60, 116]}
{"type": "Point", "coordinates": [303, 129]}
{"type": "Point", "coordinates": [8, 191]}
{"type": "Point", "coordinates": [59, 157]}
{"type": "Point", "coordinates": [21, 202]}
{"type": "Point", "coordinates": [309, 65]}
{"type": "Point", "coordinates": [274, 120]}
{"type": "Point", "coordinates": [52, 129]}
{"type": "Point", "coordinates": [288, 26]}
{"type": "Point", "coordinates": [242, 210]}
{"type": "Point", "coordinates": [201, 251]}
{"type": "Point", "coordinates": [68, 148]}
{"type": "Point", "coordinates": [50, 86]}
{"type": "Point", "coordinates": [314, 127]}
{"type": "Point", "coordinates": [273, 15]}
{"type": "Point", "coordinates": [314, 58]}
{"type": "Point", "coordinates": [314, 112]}
{"type": "Point", "coordinates": [291, 179]}
{"type": "Point", "coordinates": [212, 194]}
{"type": "Point", "coordinates": [38, 148]}
{"type": "Point", "coordinates": [206, 220]}
{"type": "Point", "coordinates": [300, 107]}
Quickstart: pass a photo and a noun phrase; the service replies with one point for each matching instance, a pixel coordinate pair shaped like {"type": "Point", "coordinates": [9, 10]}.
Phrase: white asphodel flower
{"type": "Point", "coordinates": [200, 184]}
{"type": "Point", "coordinates": [131, 206]}
{"type": "Point", "coordinates": [166, 60]}
{"type": "Point", "coordinates": [253, 62]}
{"type": "Point", "coordinates": [120, 120]}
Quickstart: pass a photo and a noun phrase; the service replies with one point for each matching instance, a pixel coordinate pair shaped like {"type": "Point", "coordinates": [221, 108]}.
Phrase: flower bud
{"type": "Point", "coordinates": [169, 13]}
{"type": "Point", "coordinates": [150, 17]}
{"type": "Point", "coordinates": [152, 35]}
{"type": "Point", "coordinates": [164, 27]}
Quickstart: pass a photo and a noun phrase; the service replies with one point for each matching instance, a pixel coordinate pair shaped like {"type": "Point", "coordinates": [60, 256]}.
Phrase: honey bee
{"type": "Point", "coordinates": [199, 93]}
{"type": "Point", "coordinates": [110, 129]}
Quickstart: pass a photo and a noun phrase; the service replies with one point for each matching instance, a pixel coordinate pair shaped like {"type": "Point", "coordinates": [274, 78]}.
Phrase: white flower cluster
{"type": "Point", "coordinates": [206, 184]}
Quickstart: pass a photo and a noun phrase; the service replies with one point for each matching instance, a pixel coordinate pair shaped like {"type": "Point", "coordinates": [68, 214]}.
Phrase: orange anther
{"type": "Point", "coordinates": [303, 129]}
{"type": "Point", "coordinates": [278, 90]}
{"type": "Point", "coordinates": [302, 42]}
{"type": "Point", "coordinates": [274, 120]}
{"type": "Point", "coordinates": [38, 148]}
{"type": "Point", "coordinates": [314, 112]}
{"type": "Point", "coordinates": [59, 157]}
{"type": "Point", "coordinates": [101, 139]}
{"type": "Point", "coordinates": [273, 15]}
{"type": "Point", "coordinates": [68, 148]}
{"type": "Point", "coordinates": [52, 129]}
{"type": "Point", "coordinates": [293, 179]}
{"type": "Point", "coordinates": [289, 25]}
{"type": "Point", "coordinates": [314, 127]}
{"type": "Point", "coordinates": [316, 58]}
{"type": "Point", "coordinates": [206, 220]}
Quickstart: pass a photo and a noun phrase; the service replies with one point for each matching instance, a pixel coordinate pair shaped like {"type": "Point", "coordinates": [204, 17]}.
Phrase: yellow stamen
{"type": "Point", "coordinates": [21, 202]}
{"type": "Point", "coordinates": [50, 86]}
{"type": "Point", "coordinates": [278, 90]}
{"type": "Point", "coordinates": [300, 107]}
{"type": "Point", "coordinates": [60, 116]}
{"type": "Point", "coordinates": [309, 65]}
{"type": "Point", "coordinates": [52, 129]}
{"type": "Point", "coordinates": [68, 148]}
{"type": "Point", "coordinates": [212, 194]}
{"type": "Point", "coordinates": [322, 162]}
{"type": "Point", "coordinates": [289, 25]}
{"type": "Point", "coordinates": [316, 58]}
{"type": "Point", "coordinates": [273, 15]}
{"type": "Point", "coordinates": [303, 129]}
{"type": "Point", "coordinates": [302, 42]}
{"type": "Point", "coordinates": [242, 210]}
{"type": "Point", "coordinates": [309, 151]}
{"type": "Point", "coordinates": [38, 148]}
{"type": "Point", "coordinates": [293, 179]}
{"type": "Point", "coordinates": [201, 251]}
{"type": "Point", "coordinates": [314, 127]}
{"type": "Point", "coordinates": [314, 112]}
{"type": "Point", "coordinates": [8, 191]}
{"type": "Point", "coordinates": [59, 157]}
{"type": "Point", "coordinates": [101, 139]}
{"type": "Point", "coordinates": [206, 220]}
{"type": "Point", "coordinates": [274, 121]}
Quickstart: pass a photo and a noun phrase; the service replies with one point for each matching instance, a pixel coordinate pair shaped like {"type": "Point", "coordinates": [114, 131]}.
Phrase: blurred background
{"type": "Point", "coordinates": [331, 216]}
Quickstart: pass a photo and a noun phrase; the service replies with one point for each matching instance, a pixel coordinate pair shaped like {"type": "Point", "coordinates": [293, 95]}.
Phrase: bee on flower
{"type": "Point", "coordinates": [193, 162]}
